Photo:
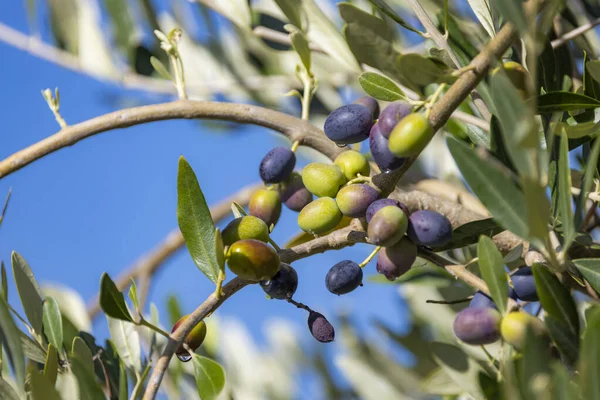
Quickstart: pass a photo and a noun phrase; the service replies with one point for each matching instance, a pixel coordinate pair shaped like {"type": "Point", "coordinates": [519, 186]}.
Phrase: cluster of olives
{"type": "Point", "coordinates": [481, 323]}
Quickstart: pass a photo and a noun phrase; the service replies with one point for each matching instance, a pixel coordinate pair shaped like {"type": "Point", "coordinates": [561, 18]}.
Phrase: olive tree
{"type": "Point", "coordinates": [509, 89]}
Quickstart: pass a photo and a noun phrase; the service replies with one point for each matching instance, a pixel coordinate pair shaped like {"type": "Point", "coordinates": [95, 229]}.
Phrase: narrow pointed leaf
{"type": "Point", "coordinates": [564, 193]}
{"type": "Point", "coordinates": [160, 68]}
{"type": "Point", "coordinates": [300, 44]}
{"type": "Point", "coordinates": [7, 392]}
{"type": "Point", "coordinates": [51, 364]}
{"type": "Point", "coordinates": [588, 180]}
{"type": "Point", "coordinates": [12, 343]}
{"type": "Point", "coordinates": [41, 388]}
{"type": "Point", "coordinates": [112, 301]}
{"type": "Point", "coordinates": [195, 221]}
{"type": "Point", "coordinates": [210, 377]}
{"type": "Point", "coordinates": [566, 342]}
{"type": "Point", "coordinates": [589, 367]}
{"type": "Point", "coordinates": [292, 10]}
{"type": "Point", "coordinates": [590, 269]}
{"type": "Point", "coordinates": [127, 342]}
{"type": "Point", "coordinates": [52, 320]}
{"type": "Point", "coordinates": [470, 232]}
{"type": "Point", "coordinates": [123, 384]}
{"type": "Point", "coordinates": [32, 349]}
{"type": "Point", "coordinates": [29, 291]}
{"type": "Point", "coordinates": [491, 264]}
{"type": "Point", "coordinates": [564, 101]}
{"type": "Point", "coordinates": [89, 389]}
{"type": "Point", "coordinates": [380, 87]}
{"type": "Point", "coordinates": [133, 295]}
{"type": "Point", "coordinates": [82, 352]}
{"type": "Point", "coordinates": [4, 282]}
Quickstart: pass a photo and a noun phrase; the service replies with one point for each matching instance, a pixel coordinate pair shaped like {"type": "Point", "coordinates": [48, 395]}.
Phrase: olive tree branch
{"type": "Point", "coordinates": [575, 33]}
{"type": "Point", "coordinates": [147, 265]}
{"type": "Point", "coordinates": [281, 38]}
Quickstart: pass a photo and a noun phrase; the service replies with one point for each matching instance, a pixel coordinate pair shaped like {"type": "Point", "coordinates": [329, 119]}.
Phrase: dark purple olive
{"type": "Point", "coordinates": [283, 284]}
{"type": "Point", "coordinates": [481, 300]}
{"type": "Point", "coordinates": [391, 115]}
{"type": "Point", "coordinates": [370, 103]}
{"type": "Point", "coordinates": [380, 152]}
{"type": "Point", "coordinates": [320, 328]}
{"type": "Point", "coordinates": [354, 200]}
{"type": "Point", "coordinates": [524, 284]}
{"type": "Point", "coordinates": [349, 124]}
{"type": "Point", "coordinates": [277, 165]}
{"type": "Point", "coordinates": [429, 228]}
{"type": "Point", "coordinates": [344, 277]}
{"type": "Point", "coordinates": [395, 260]}
{"type": "Point", "coordinates": [379, 204]}
{"type": "Point", "coordinates": [478, 326]}
{"type": "Point", "coordinates": [294, 194]}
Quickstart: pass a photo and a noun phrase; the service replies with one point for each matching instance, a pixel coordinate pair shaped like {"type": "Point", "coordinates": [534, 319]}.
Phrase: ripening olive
{"type": "Point", "coordinates": [265, 204]}
{"type": "Point", "coordinates": [379, 204]}
{"type": "Point", "coordinates": [524, 284]}
{"type": "Point", "coordinates": [410, 136]}
{"type": "Point", "coordinates": [344, 277]}
{"type": "Point", "coordinates": [478, 326]}
{"type": "Point", "coordinates": [194, 339]}
{"type": "Point", "coordinates": [253, 260]}
{"type": "Point", "coordinates": [370, 103]}
{"type": "Point", "coordinates": [514, 328]}
{"type": "Point", "coordinates": [380, 152]}
{"type": "Point", "coordinates": [320, 328]}
{"type": "Point", "coordinates": [391, 115]}
{"type": "Point", "coordinates": [323, 180]}
{"type": "Point", "coordinates": [387, 226]}
{"type": "Point", "coordinates": [320, 216]}
{"type": "Point", "coordinates": [247, 227]}
{"type": "Point", "coordinates": [349, 124]}
{"type": "Point", "coordinates": [283, 284]}
{"type": "Point", "coordinates": [517, 74]}
{"type": "Point", "coordinates": [395, 260]}
{"type": "Point", "coordinates": [294, 194]}
{"type": "Point", "coordinates": [482, 300]}
{"type": "Point", "coordinates": [429, 228]}
{"type": "Point", "coordinates": [353, 163]}
{"type": "Point", "coordinates": [354, 200]}
{"type": "Point", "coordinates": [277, 165]}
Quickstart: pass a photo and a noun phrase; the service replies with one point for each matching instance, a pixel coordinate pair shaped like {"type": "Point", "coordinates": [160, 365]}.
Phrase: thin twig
{"type": "Point", "coordinates": [281, 38]}
{"type": "Point", "coordinates": [575, 33]}
{"type": "Point", "coordinates": [457, 301]}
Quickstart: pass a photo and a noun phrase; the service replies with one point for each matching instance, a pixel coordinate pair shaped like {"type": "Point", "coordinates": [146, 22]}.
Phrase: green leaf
{"type": "Point", "coordinates": [5, 206]}
{"type": "Point", "coordinates": [174, 309]}
{"type": "Point", "coordinates": [564, 193]}
{"type": "Point", "coordinates": [122, 22]}
{"type": "Point", "coordinates": [64, 23]}
{"type": "Point", "coordinates": [237, 210]}
{"type": "Point", "coordinates": [463, 370]}
{"type": "Point", "coordinates": [219, 249]}
{"type": "Point", "coordinates": [555, 298]}
{"type": "Point", "coordinates": [483, 12]}
{"type": "Point", "coordinates": [589, 368]}
{"type": "Point", "coordinates": [502, 198]}
{"type": "Point", "coordinates": [512, 11]}
{"type": "Point", "coordinates": [300, 44]}
{"type": "Point", "coordinates": [112, 301]}
{"type": "Point", "coordinates": [81, 352]}
{"type": "Point", "coordinates": [535, 364]}
{"type": "Point", "coordinates": [491, 265]}
{"type": "Point", "coordinates": [590, 269]}
{"type": "Point", "coordinates": [292, 10]}
{"type": "Point", "coordinates": [352, 14]}
{"type": "Point", "coordinates": [566, 342]}
{"type": "Point", "coordinates": [4, 292]}
{"type": "Point", "coordinates": [133, 295]}
{"type": "Point", "coordinates": [564, 101]}
{"type": "Point", "coordinates": [40, 386]}
{"type": "Point", "coordinates": [423, 70]}
{"type": "Point", "coordinates": [127, 342]}
{"type": "Point", "coordinates": [210, 377]}
{"type": "Point", "coordinates": [53, 322]}
{"type": "Point", "coordinates": [160, 68]}
{"type": "Point", "coordinates": [51, 364]}
{"type": "Point", "coordinates": [123, 384]}
{"type": "Point", "coordinates": [195, 222]}
{"type": "Point", "coordinates": [89, 389]}
{"type": "Point", "coordinates": [586, 186]}
{"type": "Point", "coordinates": [469, 233]}
{"type": "Point", "coordinates": [380, 87]}
{"type": "Point", "coordinates": [7, 392]}
{"type": "Point", "coordinates": [12, 343]}
{"type": "Point", "coordinates": [593, 68]}
{"type": "Point", "coordinates": [29, 291]}
{"type": "Point", "coordinates": [139, 387]}
{"type": "Point", "coordinates": [387, 10]}
{"type": "Point", "coordinates": [32, 349]}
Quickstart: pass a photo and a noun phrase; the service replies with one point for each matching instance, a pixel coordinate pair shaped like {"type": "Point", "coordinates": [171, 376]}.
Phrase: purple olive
{"type": "Point", "coordinates": [344, 277]}
{"type": "Point", "coordinates": [370, 103]}
{"type": "Point", "coordinates": [478, 326]}
{"type": "Point", "coordinates": [395, 260]}
{"type": "Point", "coordinates": [283, 284]}
{"type": "Point", "coordinates": [379, 204]}
{"type": "Point", "coordinates": [354, 200]}
{"type": "Point", "coordinates": [294, 194]}
{"type": "Point", "coordinates": [391, 115]}
{"type": "Point", "coordinates": [277, 165]}
{"type": "Point", "coordinates": [320, 328]}
{"type": "Point", "coordinates": [380, 152]}
{"type": "Point", "coordinates": [349, 124]}
{"type": "Point", "coordinates": [482, 300]}
{"type": "Point", "coordinates": [524, 284]}
{"type": "Point", "coordinates": [429, 228]}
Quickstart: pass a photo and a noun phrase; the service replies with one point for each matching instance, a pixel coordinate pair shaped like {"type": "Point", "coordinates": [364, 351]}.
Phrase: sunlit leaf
{"type": "Point", "coordinates": [483, 12]}
{"type": "Point", "coordinates": [51, 364]}
{"type": "Point", "coordinates": [7, 392]}
{"type": "Point", "coordinates": [491, 264]}
{"type": "Point", "coordinates": [380, 87]}
{"type": "Point", "coordinates": [29, 291]}
{"type": "Point", "coordinates": [52, 320]}
{"type": "Point", "coordinates": [300, 44]}
{"type": "Point", "coordinates": [127, 342]}
{"type": "Point", "coordinates": [210, 377]}
{"type": "Point", "coordinates": [292, 10]}
{"type": "Point", "coordinates": [589, 368]}
{"type": "Point", "coordinates": [590, 269]}
{"type": "Point", "coordinates": [12, 343]}
{"type": "Point", "coordinates": [41, 388]}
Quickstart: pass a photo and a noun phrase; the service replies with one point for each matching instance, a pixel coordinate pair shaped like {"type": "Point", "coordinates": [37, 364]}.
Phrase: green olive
{"type": "Point", "coordinates": [252, 260]}
{"type": "Point", "coordinates": [517, 74]}
{"type": "Point", "coordinates": [194, 339]}
{"type": "Point", "coordinates": [353, 163]}
{"type": "Point", "coordinates": [514, 328]}
{"type": "Point", "coordinates": [410, 136]}
{"type": "Point", "coordinates": [247, 227]}
{"type": "Point", "coordinates": [387, 226]}
{"type": "Point", "coordinates": [323, 180]}
{"type": "Point", "coordinates": [320, 216]}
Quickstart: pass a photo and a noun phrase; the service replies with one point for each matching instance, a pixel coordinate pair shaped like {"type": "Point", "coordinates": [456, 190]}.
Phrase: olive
{"type": "Point", "coordinates": [323, 180]}
{"type": "Point", "coordinates": [265, 204]}
{"type": "Point", "coordinates": [294, 194]}
{"type": "Point", "coordinates": [387, 226]}
{"type": "Point", "coordinates": [252, 260]}
{"type": "Point", "coordinates": [370, 103]}
{"type": "Point", "coordinates": [410, 136]}
{"type": "Point", "coordinates": [320, 328]}
{"type": "Point", "coordinates": [344, 277]}
{"type": "Point", "coordinates": [283, 284]}
{"type": "Point", "coordinates": [524, 284]}
{"type": "Point", "coordinates": [193, 339]}
{"type": "Point", "coordinates": [478, 326]}
{"type": "Point", "coordinates": [380, 151]}
{"type": "Point", "coordinates": [277, 165]}
{"type": "Point", "coordinates": [517, 74]}
{"type": "Point", "coordinates": [320, 216]}
{"type": "Point", "coordinates": [353, 163]}
{"type": "Point", "coordinates": [395, 260]}
{"type": "Point", "coordinates": [247, 227]}
{"type": "Point", "coordinates": [429, 228]}
{"type": "Point", "coordinates": [514, 328]}
{"type": "Point", "coordinates": [391, 115]}
{"type": "Point", "coordinates": [349, 124]}
{"type": "Point", "coordinates": [354, 200]}
{"type": "Point", "coordinates": [379, 204]}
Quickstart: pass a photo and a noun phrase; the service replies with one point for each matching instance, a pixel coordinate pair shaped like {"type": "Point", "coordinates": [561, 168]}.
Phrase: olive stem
{"type": "Point", "coordinates": [434, 98]}
{"type": "Point", "coordinates": [295, 145]}
{"type": "Point", "coordinates": [359, 179]}
{"type": "Point", "coordinates": [457, 301]}
{"type": "Point", "coordinates": [275, 246]}
{"type": "Point", "coordinates": [220, 279]}
{"type": "Point", "coordinates": [370, 257]}
{"type": "Point", "coordinates": [299, 305]}
{"type": "Point", "coordinates": [155, 328]}
{"type": "Point", "coordinates": [306, 97]}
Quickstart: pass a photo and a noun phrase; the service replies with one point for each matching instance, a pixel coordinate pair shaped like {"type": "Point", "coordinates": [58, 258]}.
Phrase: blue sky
{"type": "Point", "coordinates": [98, 205]}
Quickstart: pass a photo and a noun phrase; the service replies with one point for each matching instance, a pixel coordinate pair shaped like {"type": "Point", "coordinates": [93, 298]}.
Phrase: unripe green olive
{"type": "Point", "coordinates": [194, 339]}
{"type": "Point", "coordinates": [320, 216]}
{"type": "Point", "coordinates": [252, 260]}
{"type": "Point", "coordinates": [517, 74]}
{"type": "Point", "coordinates": [410, 136]}
{"type": "Point", "coordinates": [323, 180]}
{"type": "Point", "coordinates": [514, 328]}
{"type": "Point", "coordinates": [352, 163]}
{"type": "Point", "coordinates": [387, 226]}
{"type": "Point", "coordinates": [266, 204]}
{"type": "Point", "coordinates": [247, 227]}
